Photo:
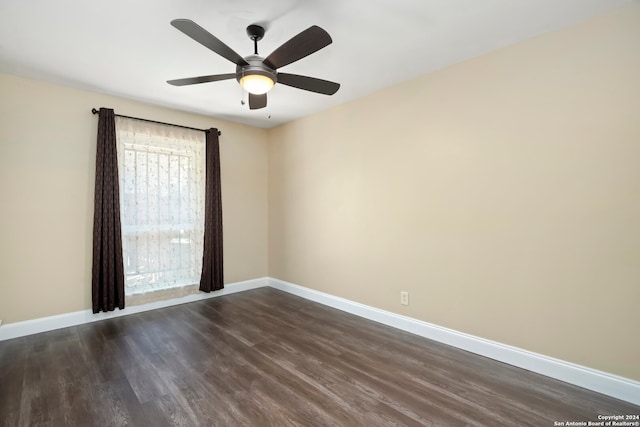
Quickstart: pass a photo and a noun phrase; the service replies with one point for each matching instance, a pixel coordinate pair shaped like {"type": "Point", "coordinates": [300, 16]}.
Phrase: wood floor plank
{"type": "Point", "coordinates": [12, 371]}
{"type": "Point", "coordinates": [267, 358]}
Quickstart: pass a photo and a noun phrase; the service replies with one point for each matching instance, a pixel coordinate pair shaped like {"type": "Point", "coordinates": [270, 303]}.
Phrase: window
{"type": "Point", "coordinates": [162, 189]}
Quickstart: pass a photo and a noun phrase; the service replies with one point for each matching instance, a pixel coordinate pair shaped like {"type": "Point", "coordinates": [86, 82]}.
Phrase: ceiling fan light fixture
{"type": "Point", "coordinates": [256, 84]}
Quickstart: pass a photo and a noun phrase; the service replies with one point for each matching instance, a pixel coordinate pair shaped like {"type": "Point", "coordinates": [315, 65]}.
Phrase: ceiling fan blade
{"type": "Point", "coordinates": [310, 40]}
{"type": "Point", "coordinates": [257, 101]}
{"type": "Point", "coordinates": [201, 79]}
{"type": "Point", "coordinates": [207, 39]}
{"type": "Point", "coordinates": [308, 83]}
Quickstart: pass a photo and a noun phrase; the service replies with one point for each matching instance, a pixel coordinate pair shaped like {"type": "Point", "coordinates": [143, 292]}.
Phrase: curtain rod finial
{"type": "Point", "coordinates": [94, 111]}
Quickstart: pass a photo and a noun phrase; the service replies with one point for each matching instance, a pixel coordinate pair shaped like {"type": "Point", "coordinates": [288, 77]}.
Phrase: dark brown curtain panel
{"type": "Point", "coordinates": [107, 284]}
{"type": "Point", "coordinates": [212, 277]}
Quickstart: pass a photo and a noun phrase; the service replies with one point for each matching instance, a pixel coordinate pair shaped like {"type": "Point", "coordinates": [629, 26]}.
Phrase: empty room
{"type": "Point", "coordinates": [336, 213]}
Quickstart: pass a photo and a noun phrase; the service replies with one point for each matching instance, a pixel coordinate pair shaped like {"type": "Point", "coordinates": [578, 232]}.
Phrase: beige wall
{"type": "Point", "coordinates": [503, 193]}
{"type": "Point", "coordinates": [47, 164]}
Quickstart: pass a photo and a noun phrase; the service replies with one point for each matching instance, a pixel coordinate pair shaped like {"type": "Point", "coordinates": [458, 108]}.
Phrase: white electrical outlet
{"type": "Point", "coordinates": [404, 298]}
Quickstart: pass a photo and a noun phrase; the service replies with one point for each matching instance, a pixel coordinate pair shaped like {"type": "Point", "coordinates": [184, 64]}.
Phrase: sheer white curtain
{"type": "Point", "coordinates": [162, 189]}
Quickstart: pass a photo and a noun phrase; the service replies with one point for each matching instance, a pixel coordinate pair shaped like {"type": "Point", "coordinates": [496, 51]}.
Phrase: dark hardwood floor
{"type": "Point", "coordinates": [264, 357]}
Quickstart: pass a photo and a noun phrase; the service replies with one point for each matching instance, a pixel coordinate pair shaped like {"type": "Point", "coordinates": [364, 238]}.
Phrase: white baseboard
{"type": "Point", "coordinates": [598, 381]}
{"type": "Point", "coordinates": [44, 324]}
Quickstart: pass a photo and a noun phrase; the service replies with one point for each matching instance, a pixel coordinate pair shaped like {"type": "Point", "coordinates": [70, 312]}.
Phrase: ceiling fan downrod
{"type": "Point", "coordinates": [255, 33]}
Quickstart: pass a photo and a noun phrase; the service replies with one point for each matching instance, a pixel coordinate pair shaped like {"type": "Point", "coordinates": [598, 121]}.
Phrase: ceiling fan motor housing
{"type": "Point", "coordinates": [255, 67]}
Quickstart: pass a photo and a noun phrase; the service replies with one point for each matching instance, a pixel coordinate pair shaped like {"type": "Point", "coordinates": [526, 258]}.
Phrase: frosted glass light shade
{"type": "Point", "coordinates": [256, 84]}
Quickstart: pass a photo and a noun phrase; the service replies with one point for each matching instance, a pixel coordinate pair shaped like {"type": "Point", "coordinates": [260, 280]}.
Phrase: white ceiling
{"type": "Point", "coordinates": [128, 48]}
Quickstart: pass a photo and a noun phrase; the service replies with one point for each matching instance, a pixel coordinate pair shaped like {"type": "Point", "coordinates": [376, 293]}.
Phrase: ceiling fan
{"type": "Point", "coordinates": [258, 75]}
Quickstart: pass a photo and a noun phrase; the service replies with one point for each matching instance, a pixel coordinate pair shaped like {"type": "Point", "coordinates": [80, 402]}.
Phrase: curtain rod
{"type": "Point", "coordinates": [94, 111]}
